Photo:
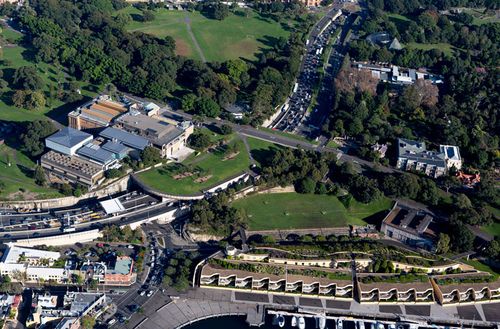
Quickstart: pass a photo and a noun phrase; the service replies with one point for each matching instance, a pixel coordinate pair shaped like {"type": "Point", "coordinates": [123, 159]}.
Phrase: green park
{"type": "Point", "coordinates": [242, 34]}
{"type": "Point", "coordinates": [299, 211]}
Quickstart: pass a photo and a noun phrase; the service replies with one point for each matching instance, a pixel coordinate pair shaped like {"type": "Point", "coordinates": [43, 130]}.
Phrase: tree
{"type": "Point", "coordinates": [40, 177]}
{"type": "Point", "coordinates": [493, 249]}
{"type": "Point", "coordinates": [187, 102]}
{"type": "Point", "coordinates": [207, 107]}
{"type": "Point", "coordinates": [220, 11]}
{"type": "Point", "coordinates": [461, 238]}
{"type": "Point", "coordinates": [226, 129]}
{"type": "Point", "coordinates": [26, 77]}
{"type": "Point", "coordinates": [31, 100]}
{"type": "Point", "coordinates": [148, 16]}
{"type": "Point", "coordinates": [305, 185]}
{"type": "Point", "coordinates": [150, 156]}
{"type": "Point", "coordinates": [199, 140]}
{"type": "Point", "coordinates": [32, 138]}
{"type": "Point", "coordinates": [443, 244]}
{"type": "Point", "coordinates": [112, 173]}
{"type": "Point", "coordinates": [461, 201]}
{"type": "Point", "coordinates": [87, 322]}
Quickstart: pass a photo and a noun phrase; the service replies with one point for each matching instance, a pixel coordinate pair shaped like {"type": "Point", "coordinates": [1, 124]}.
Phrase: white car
{"type": "Point", "coordinates": [150, 293]}
{"type": "Point", "coordinates": [142, 293]}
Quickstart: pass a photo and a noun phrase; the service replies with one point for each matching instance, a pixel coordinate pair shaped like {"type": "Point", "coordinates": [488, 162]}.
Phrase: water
{"type": "Point", "coordinates": [238, 322]}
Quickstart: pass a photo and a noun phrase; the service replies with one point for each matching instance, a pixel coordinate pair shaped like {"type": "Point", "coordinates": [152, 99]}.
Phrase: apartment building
{"type": "Point", "coordinates": [414, 156]}
{"type": "Point", "coordinates": [466, 288]}
{"type": "Point", "coordinates": [212, 276]}
{"type": "Point", "coordinates": [31, 265]}
{"type": "Point", "coordinates": [388, 290]}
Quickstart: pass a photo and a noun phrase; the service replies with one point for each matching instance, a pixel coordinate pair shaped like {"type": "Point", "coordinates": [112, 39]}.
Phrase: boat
{"type": "Point", "coordinates": [281, 320]}
{"type": "Point", "coordinates": [380, 325]}
{"type": "Point", "coordinates": [340, 324]}
{"type": "Point", "coordinates": [392, 326]}
{"type": "Point", "coordinates": [294, 321]}
{"type": "Point", "coordinates": [302, 323]}
{"type": "Point", "coordinates": [361, 325]}
{"type": "Point", "coordinates": [321, 322]}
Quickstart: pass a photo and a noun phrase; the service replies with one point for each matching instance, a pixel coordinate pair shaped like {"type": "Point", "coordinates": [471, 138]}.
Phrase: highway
{"type": "Point", "coordinates": [124, 218]}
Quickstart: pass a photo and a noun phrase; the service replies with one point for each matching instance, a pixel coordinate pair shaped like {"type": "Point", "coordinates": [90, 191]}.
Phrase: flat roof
{"type": "Point", "coordinates": [126, 138]}
{"type": "Point", "coordinates": [13, 253]}
{"type": "Point", "coordinates": [123, 265]}
{"type": "Point", "coordinates": [115, 147]}
{"type": "Point", "coordinates": [69, 137]}
{"type": "Point", "coordinates": [73, 164]}
{"type": "Point", "coordinates": [157, 131]}
{"type": "Point", "coordinates": [96, 153]}
{"type": "Point", "coordinates": [112, 206]}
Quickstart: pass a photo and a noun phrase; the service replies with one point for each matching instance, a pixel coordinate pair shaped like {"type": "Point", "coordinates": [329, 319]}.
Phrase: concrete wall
{"type": "Point", "coordinates": [119, 186]}
{"type": "Point", "coordinates": [162, 218]}
{"type": "Point", "coordinates": [60, 240]}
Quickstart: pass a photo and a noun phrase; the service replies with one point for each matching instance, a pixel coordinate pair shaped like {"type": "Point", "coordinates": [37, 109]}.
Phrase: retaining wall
{"type": "Point", "coordinates": [120, 185]}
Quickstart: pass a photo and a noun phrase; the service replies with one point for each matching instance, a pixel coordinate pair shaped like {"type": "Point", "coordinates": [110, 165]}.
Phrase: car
{"type": "Point", "coordinates": [133, 308]}
{"type": "Point", "coordinates": [150, 293]}
{"type": "Point", "coordinates": [130, 246]}
{"type": "Point", "coordinates": [142, 292]}
{"type": "Point", "coordinates": [111, 322]}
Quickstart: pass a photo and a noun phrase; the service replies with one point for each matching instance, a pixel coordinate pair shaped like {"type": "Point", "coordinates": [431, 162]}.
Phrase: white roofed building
{"type": "Point", "coordinates": [31, 265]}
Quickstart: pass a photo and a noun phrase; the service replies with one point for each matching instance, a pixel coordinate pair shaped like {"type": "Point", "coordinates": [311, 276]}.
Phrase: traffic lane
{"type": "Point", "coordinates": [124, 219]}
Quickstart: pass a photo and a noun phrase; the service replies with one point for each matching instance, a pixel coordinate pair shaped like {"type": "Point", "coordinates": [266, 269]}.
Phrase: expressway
{"type": "Point", "coordinates": [129, 216]}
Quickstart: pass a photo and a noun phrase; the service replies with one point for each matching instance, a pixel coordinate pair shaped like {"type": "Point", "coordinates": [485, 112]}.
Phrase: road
{"type": "Point", "coordinates": [250, 131]}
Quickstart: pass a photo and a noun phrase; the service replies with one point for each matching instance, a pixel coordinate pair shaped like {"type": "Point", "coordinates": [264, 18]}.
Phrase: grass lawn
{"type": "Point", "coordinates": [480, 266]}
{"type": "Point", "coordinates": [207, 169]}
{"type": "Point", "coordinates": [17, 176]}
{"type": "Point", "coordinates": [479, 17]}
{"type": "Point", "coordinates": [234, 37]}
{"type": "Point", "coordinates": [297, 211]}
{"type": "Point", "coordinates": [289, 135]}
{"type": "Point", "coordinates": [12, 56]}
{"type": "Point", "coordinates": [260, 149]}
{"type": "Point", "coordinates": [492, 229]}
{"type": "Point", "coordinates": [446, 48]}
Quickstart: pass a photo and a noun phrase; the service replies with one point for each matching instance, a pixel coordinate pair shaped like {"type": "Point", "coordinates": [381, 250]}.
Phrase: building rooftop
{"type": "Point", "coordinates": [69, 137]}
{"type": "Point", "coordinates": [124, 137]}
{"type": "Point", "coordinates": [115, 147]}
{"type": "Point", "coordinates": [101, 110]}
{"type": "Point", "coordinates": [417, 151]}
{"type": "Point", "coordinates": [412, 221]}
{"type": "Point", "coordinates": [96, 153]}
{"type": "Point", "coordinates": [158, 132]}
{"type": "Point", "coordinates": [80, 301]}
{"type": "Point", "coordinates": [77, 165]}
{"type": "Point", "coordinates": [12, 254]}
{"type": "Point", "coordinates": [450, 152]}
{"type": "Point", "coordinates": [123, 265]}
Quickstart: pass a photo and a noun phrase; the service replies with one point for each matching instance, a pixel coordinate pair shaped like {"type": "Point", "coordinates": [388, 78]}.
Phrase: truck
{"type": "Point", "coordinates": [68, 229]}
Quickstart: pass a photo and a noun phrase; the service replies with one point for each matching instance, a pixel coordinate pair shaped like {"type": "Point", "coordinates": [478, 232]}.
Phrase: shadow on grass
{"type": "Point", "coordinates": [60, 114]}
{"type": "Point", "coordinates": [268, 41]}
{"type": "Point", "coordinates": [262, 156]}
{"type": "Point", "coordinates": [376, 219]}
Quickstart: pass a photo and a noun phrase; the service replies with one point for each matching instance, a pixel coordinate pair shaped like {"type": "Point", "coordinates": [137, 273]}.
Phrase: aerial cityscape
{"type": "Point", "coordinates": [249, 164]}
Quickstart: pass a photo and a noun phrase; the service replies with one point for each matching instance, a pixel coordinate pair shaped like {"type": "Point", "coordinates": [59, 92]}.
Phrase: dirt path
{"type": "Point", "coordinates": [245, 141]}
{"type": "Point", "coordinates": [196, 44]}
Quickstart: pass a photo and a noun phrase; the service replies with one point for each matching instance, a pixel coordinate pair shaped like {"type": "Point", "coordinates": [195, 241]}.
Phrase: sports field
{"type": "Point", "coordinates": [234, 37]}
{"type": "Point", "coordinates": [297, 211]}
{"type": "Point", "coordinates": [197, 172]}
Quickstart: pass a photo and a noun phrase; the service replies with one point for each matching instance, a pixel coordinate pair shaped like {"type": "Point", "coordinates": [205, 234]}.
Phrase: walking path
{"type": "Point", "coordinates": [245, 141]}
{"type": "Point", "coordinates": [199, 303]}
{"type": "Point", "coordinates": [187, 20]}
